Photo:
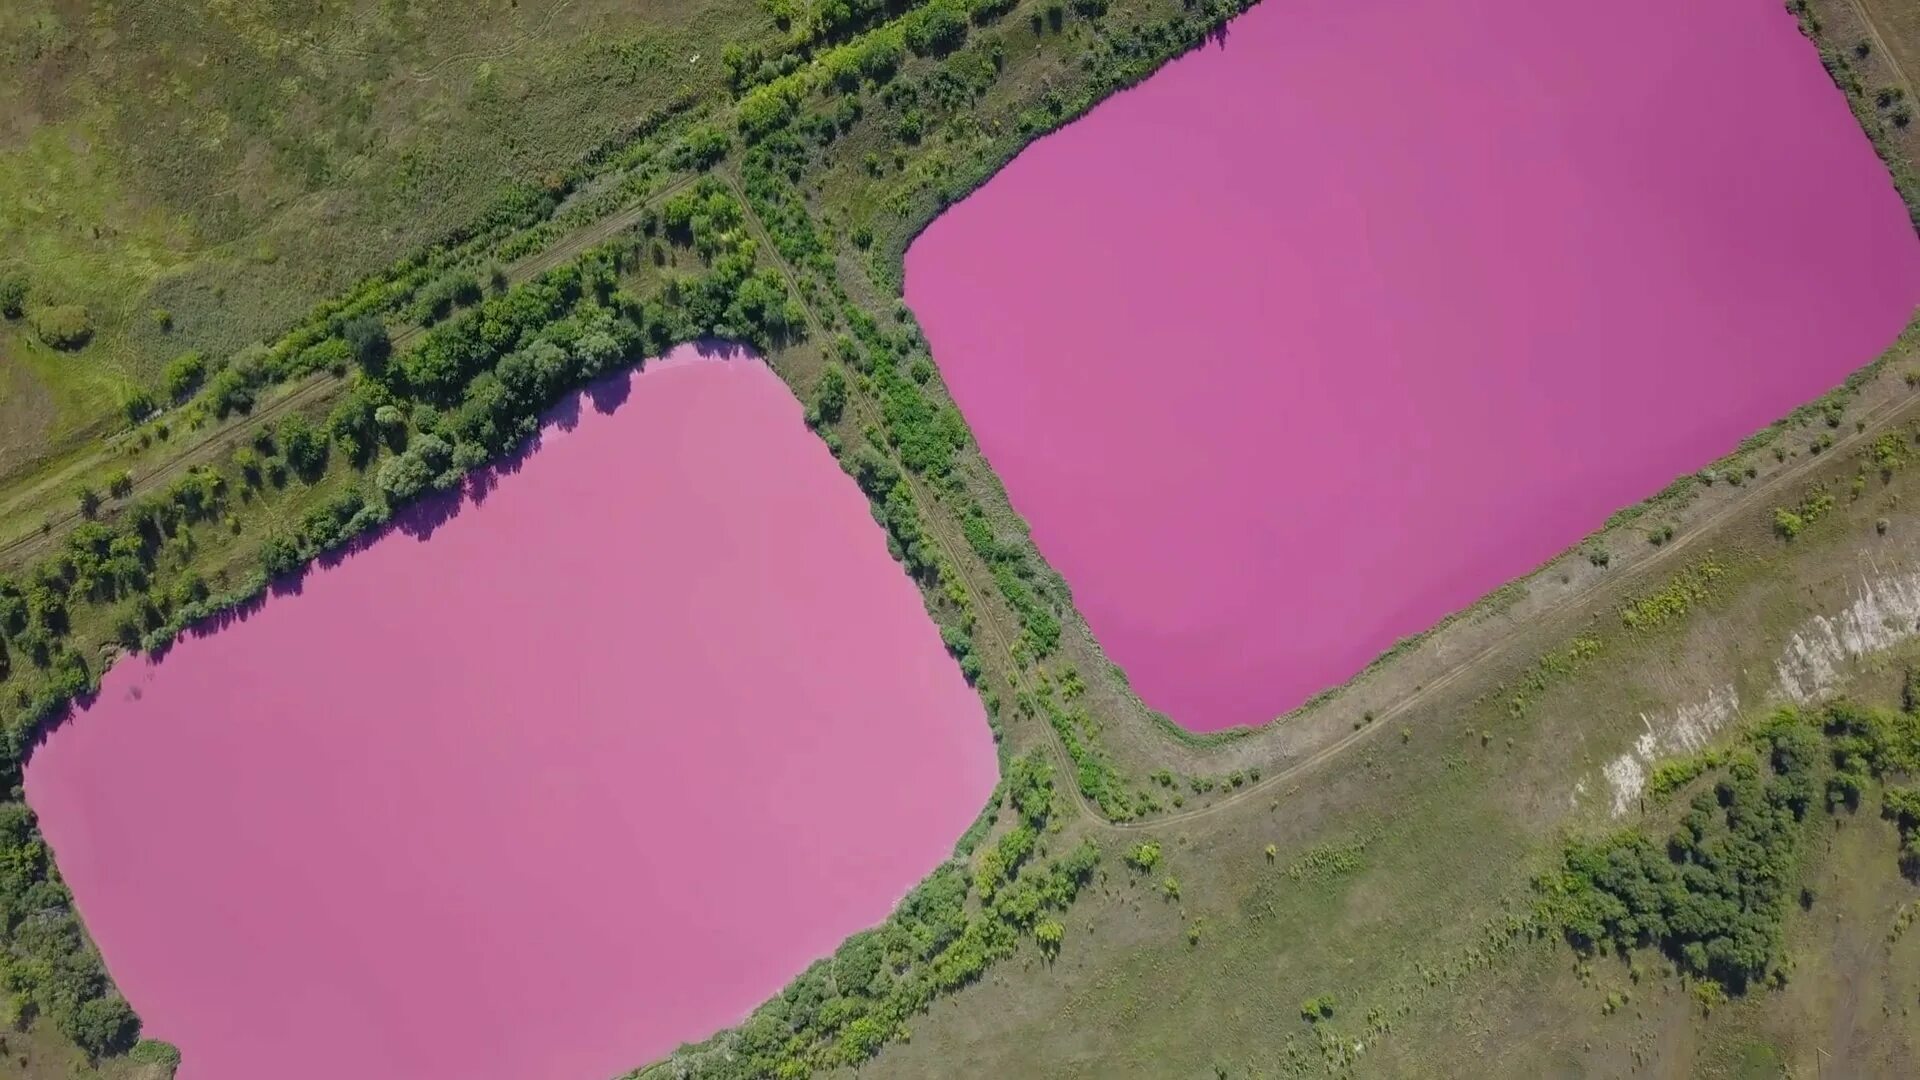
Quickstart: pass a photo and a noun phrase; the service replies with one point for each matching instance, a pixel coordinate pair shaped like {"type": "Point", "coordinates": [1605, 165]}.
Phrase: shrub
{"type": "Point", "coordinates": [183, 375]}
{"type": "Point", "coordinates": [403, 476]}
{"type": "Point", "coordinates": [367, 337]}
{"type": "Point", "coordinates": [63, 326]}
{"type": "Point", "coordinates": [13, 294]}
{"type": "Point", "coordinates": [1787, 523]}
{"type": "Point", "coordinates": [304, 447]}
{"type": "Point", "coordinates": [138, 406]}
{"type": "Point", "coordinates": [228, 392]}
{"type": "Point", "coordinates": [1049, 933]}
{"type": "Point", "coordinates": [830, 395]}
{"type": "Point", "coordinates": [102, 1026]}
{"type": "Point", "coordinates": [703, 147]}
{"type": "Point", "coordinates": [935, 30]}
{"type": "Point", "coordinates": [1144, 856]}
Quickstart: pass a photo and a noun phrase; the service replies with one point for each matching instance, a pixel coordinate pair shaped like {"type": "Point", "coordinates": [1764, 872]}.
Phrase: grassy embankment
{"type": "Point", "coordinates": [920, 129]}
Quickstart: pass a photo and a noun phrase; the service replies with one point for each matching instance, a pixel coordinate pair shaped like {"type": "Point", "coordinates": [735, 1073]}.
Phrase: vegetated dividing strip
{"type": "Point", "coordinates": [323, 385]}
{"type": "Point", "coordinates": [866, 409]}
{"type": "Point", "coordinates": [1875, 420]}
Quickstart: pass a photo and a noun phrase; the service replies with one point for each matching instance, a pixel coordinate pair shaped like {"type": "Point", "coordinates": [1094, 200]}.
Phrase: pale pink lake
{"type": "Point", "coordinates": [1318, 336]}
{"type": "Point", "coordinates": [593, 770]}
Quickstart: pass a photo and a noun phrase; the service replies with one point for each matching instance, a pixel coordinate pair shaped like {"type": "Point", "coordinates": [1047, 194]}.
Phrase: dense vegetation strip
{"type": "Point", "coordinates": [1713, 896]}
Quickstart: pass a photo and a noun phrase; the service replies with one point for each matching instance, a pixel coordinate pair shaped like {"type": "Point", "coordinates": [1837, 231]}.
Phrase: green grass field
{"type": "Point", "coordinates": [1350, 890]}
{"type": "Point", "coordinates": [199, 175]}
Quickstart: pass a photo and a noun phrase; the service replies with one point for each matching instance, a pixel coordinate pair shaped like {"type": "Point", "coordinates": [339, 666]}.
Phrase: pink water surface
{"type": "Point", "coordinates": [591, 771]}
{"type": "Point", "coordinates": [1319, 335]}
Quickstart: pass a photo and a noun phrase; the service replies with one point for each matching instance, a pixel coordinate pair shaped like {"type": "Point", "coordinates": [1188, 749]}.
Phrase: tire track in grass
{"type": "Point", "coordinates": [1880, 44]}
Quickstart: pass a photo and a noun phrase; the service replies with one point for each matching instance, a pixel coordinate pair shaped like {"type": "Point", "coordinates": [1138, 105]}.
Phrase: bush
{"type": "Point", "coordinates": [138, 406]}
{"type": "Point", "coordinates": [935, 30]}
{"type": "Point", "coordinates": [1787, 523]}
{"type": "Point", "coordinates": [304, 447]}
{"type": "Point", "coordinates": [367, 337]}
{"type": "Point", "coordinates": [830, 395]}
{"type": "Point", "coordinates": [102, 1026]}
{"type": "Point", "coordinates": [403, 476]}
{"type": "Point", "coordinates": [703, 147]}
{"type": "Point", "coordinates": [63, 326]}
{"type": "Point", "coordinates": [229, 392]}
{"type": "Point", "coordinates": [13, 294]}
{"type": "Point", "coordinates": [183, 375]}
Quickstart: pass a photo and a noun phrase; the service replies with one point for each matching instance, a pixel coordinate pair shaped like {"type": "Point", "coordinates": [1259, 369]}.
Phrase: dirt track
{"type": "Point", "coordinates": [221, 439]}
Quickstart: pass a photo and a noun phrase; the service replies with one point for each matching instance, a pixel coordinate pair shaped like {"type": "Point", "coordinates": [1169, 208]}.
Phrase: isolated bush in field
{"type": "Point", "coordinates": [13, 294]}
{"type": "Point", "coordinates": [1317, 1008]}
{"type": "Point", "coordinates": [63, 326]}
{"type": "Point", "coordinates": [183, 375]}
{"type": "Point", "coordinates": [1144, 856]}
{"type": "Point", "coordinates": [1787, 524]}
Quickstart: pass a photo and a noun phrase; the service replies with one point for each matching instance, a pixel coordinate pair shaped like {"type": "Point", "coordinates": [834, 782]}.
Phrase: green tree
{"type": "Point", "coordinates": [1049, 933]}
{"type": "Point", "coordinates": [183, 375]}
{"type": "Point", "coordinates": [303, 446]}
{"type": "Point", "coordinates": [102, 1026]}
{"type": "Point", "coordinates": [63, 326]}
{"type": "Point", "coordinates": [13, 294]}
{"type": "Point", "coordinates": [367, 337]}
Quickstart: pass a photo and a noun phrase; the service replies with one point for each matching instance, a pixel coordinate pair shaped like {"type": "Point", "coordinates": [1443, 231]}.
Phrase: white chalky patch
{"type": "Point", "coordinates": [1684, 730]}
{"type": "Point", "coordinates": [1884, 613]}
